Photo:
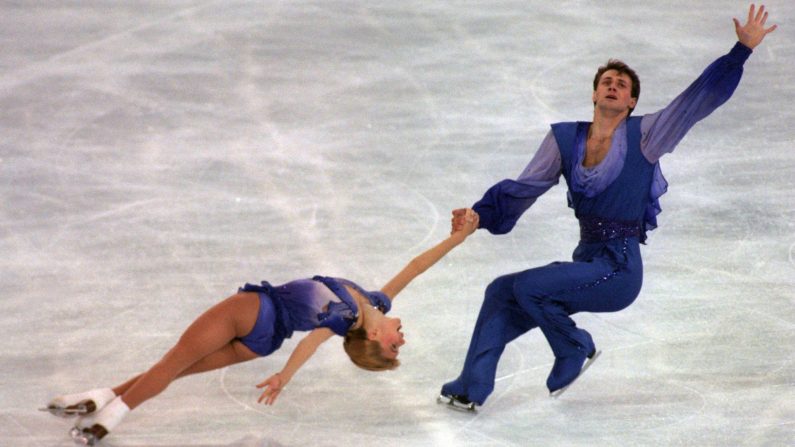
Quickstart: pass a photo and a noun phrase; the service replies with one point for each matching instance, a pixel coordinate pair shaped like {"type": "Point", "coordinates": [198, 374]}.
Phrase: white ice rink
{"type": "Point", "coordinates": [155, 155]}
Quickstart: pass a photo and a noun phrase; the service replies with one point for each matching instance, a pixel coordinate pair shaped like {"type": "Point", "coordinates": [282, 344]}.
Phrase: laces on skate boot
{"type": "Point", "coordinates": [78, 409]}
{"type": "Point", "coordinates": [457, 402]}
{"type": "Point", "coordinates": [88, 436]}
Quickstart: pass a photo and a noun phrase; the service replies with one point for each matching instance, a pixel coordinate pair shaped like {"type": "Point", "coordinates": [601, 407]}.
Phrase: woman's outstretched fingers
{"type": "Point", "coordinates": [273, 387]}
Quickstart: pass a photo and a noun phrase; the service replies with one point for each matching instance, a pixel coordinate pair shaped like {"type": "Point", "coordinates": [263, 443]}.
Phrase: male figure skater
{"type": "Point", "coordinates": [614, 180]}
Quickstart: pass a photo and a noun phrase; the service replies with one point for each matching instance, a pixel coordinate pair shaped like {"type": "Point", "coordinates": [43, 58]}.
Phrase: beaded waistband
{"type": "Point", "coordinates": [597, 229]}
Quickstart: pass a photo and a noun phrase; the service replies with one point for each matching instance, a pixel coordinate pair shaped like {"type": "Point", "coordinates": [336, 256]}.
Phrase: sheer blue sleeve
{"type": "Point", "coordinates": [504, 203]}
{"type": "Point", "coordinates": [380, 300]}
{"type": "Point", "coordinates": [339, 318]}
{"type": "Point", "coordinates": [376, 298]}
{"type": "Point", "coordinates": [663, 130]}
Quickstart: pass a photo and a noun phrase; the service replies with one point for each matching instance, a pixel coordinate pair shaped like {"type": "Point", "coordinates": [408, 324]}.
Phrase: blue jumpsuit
{"type": "Point", "coordinates": [607, 270]}
{"type": "Point", "coordinates": [304, 305]}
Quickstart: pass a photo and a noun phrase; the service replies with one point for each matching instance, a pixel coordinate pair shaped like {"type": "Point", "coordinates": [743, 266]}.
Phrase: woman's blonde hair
{"type": "Point", "coordinates": [365, 353]}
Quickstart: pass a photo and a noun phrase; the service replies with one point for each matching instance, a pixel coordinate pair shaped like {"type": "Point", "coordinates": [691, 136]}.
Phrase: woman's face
{"type": "Point", "coordinates": [390, 337]}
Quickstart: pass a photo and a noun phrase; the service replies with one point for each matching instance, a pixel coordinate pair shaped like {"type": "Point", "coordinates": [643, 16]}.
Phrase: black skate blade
{"type": "Point", "coordinates": [455, 404]}
{"type": "Point", "coordinates": [588, 363]}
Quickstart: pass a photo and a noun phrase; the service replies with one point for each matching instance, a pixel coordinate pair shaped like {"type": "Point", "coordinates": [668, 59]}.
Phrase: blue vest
{"type": "Point", "coordinates": [627, 197]}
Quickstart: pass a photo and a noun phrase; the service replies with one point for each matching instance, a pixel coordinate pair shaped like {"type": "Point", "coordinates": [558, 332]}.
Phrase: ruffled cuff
{"type": "Point", "coordinates": [504, 203]}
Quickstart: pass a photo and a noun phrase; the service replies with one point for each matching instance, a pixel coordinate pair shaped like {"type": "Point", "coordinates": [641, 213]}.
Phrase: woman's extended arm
{"type": "Point", "coordinates": [274, 384]}
{"type": "Point", "coordinates": [424, 261]}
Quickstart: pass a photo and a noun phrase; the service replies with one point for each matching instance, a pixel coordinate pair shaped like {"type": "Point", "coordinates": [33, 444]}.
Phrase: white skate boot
{"type": "Point", "coordinates": [79, 404]}
{"type": "Point", "coordinates": [90, 430]}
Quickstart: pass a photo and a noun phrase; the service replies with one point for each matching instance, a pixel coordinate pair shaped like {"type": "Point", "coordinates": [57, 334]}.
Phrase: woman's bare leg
{"type": "Point", "coordinates": [234, 352]}
{"type": "Point", "coordinates": [121, 389]}
{"type": "Point", "coordinates": [208, 343]}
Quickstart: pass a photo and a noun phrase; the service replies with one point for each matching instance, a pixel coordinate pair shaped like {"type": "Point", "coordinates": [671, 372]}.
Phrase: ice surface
{"type": "Point", "coordinates": [156, 155]}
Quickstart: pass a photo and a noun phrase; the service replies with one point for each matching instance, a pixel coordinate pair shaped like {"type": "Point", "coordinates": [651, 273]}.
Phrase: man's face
{"type": "Point", "coordinates": [614, 92]}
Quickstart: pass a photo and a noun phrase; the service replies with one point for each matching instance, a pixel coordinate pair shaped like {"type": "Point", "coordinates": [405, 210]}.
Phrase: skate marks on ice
{"type": "Point", "coordinates": [673, 372]}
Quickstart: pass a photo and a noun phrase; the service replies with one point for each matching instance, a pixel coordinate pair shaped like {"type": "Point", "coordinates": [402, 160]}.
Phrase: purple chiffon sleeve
{"type": "Point", "coordinates": [663, 130]}
{"type": "Point", "coordinates": [504, 203]}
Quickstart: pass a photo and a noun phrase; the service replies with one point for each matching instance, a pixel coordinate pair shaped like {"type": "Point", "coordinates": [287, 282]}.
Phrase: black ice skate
{"type": "Point", "coordinates": [457, 402]}
{"type": "Point", "coordinates": [88, 436]}
{"type": "Point", "coordinates": [66, 411]}
{"type": "Point", "coordinates": [590, 359]}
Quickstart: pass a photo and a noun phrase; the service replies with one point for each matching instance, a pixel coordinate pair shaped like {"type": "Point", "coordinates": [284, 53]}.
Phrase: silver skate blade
{"type": "Point", "coordinates": [590, 360]}
{"type": "Point", "coordinates": [81, 438]}
{"type": "Point", "coordinates": [456, 405]}
{"type": "Point", "coordinates": [64, 412]}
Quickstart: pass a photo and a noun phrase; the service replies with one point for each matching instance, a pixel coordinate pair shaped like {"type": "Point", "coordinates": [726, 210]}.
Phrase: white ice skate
{"type": "Point", "coordinates": [79, 404]}
{"type": "Point", "coordinates": [90, 430]}
{"type": "Point", "coordinates": [588, 362]}
{"type": "Point", "coordinates": [457, 402]}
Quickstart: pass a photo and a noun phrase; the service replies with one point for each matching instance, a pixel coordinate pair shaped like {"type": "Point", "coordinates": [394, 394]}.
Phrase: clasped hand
{"type": "Point", "coordinates": [464, 220]}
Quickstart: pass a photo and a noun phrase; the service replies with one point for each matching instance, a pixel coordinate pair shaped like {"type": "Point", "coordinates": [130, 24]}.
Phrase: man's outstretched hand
{"type": "Point", "coordinates": [753, 32]}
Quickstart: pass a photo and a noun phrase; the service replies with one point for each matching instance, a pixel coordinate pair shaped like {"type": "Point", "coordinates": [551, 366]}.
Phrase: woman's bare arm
{"type": "Point", "coordinates": [303, 351]}
{"type": "Point", "coordinates": [430, 257]}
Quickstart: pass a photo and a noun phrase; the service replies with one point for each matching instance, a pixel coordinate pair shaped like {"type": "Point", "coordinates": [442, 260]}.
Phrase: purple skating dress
{"type": "Point", "coordinates": [305, 305]}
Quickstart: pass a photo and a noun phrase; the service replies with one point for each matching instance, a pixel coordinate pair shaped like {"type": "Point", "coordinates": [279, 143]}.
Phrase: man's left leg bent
{"type": "Point", "coordinates": [550, 294]}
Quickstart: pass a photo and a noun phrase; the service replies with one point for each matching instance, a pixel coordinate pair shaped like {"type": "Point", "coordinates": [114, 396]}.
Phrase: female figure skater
{"type": "Point", "coordinates": [254, 323]}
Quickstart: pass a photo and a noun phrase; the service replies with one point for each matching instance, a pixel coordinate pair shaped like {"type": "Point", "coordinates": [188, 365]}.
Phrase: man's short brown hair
{"type": "Point", "coordinates": [621, 68]}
